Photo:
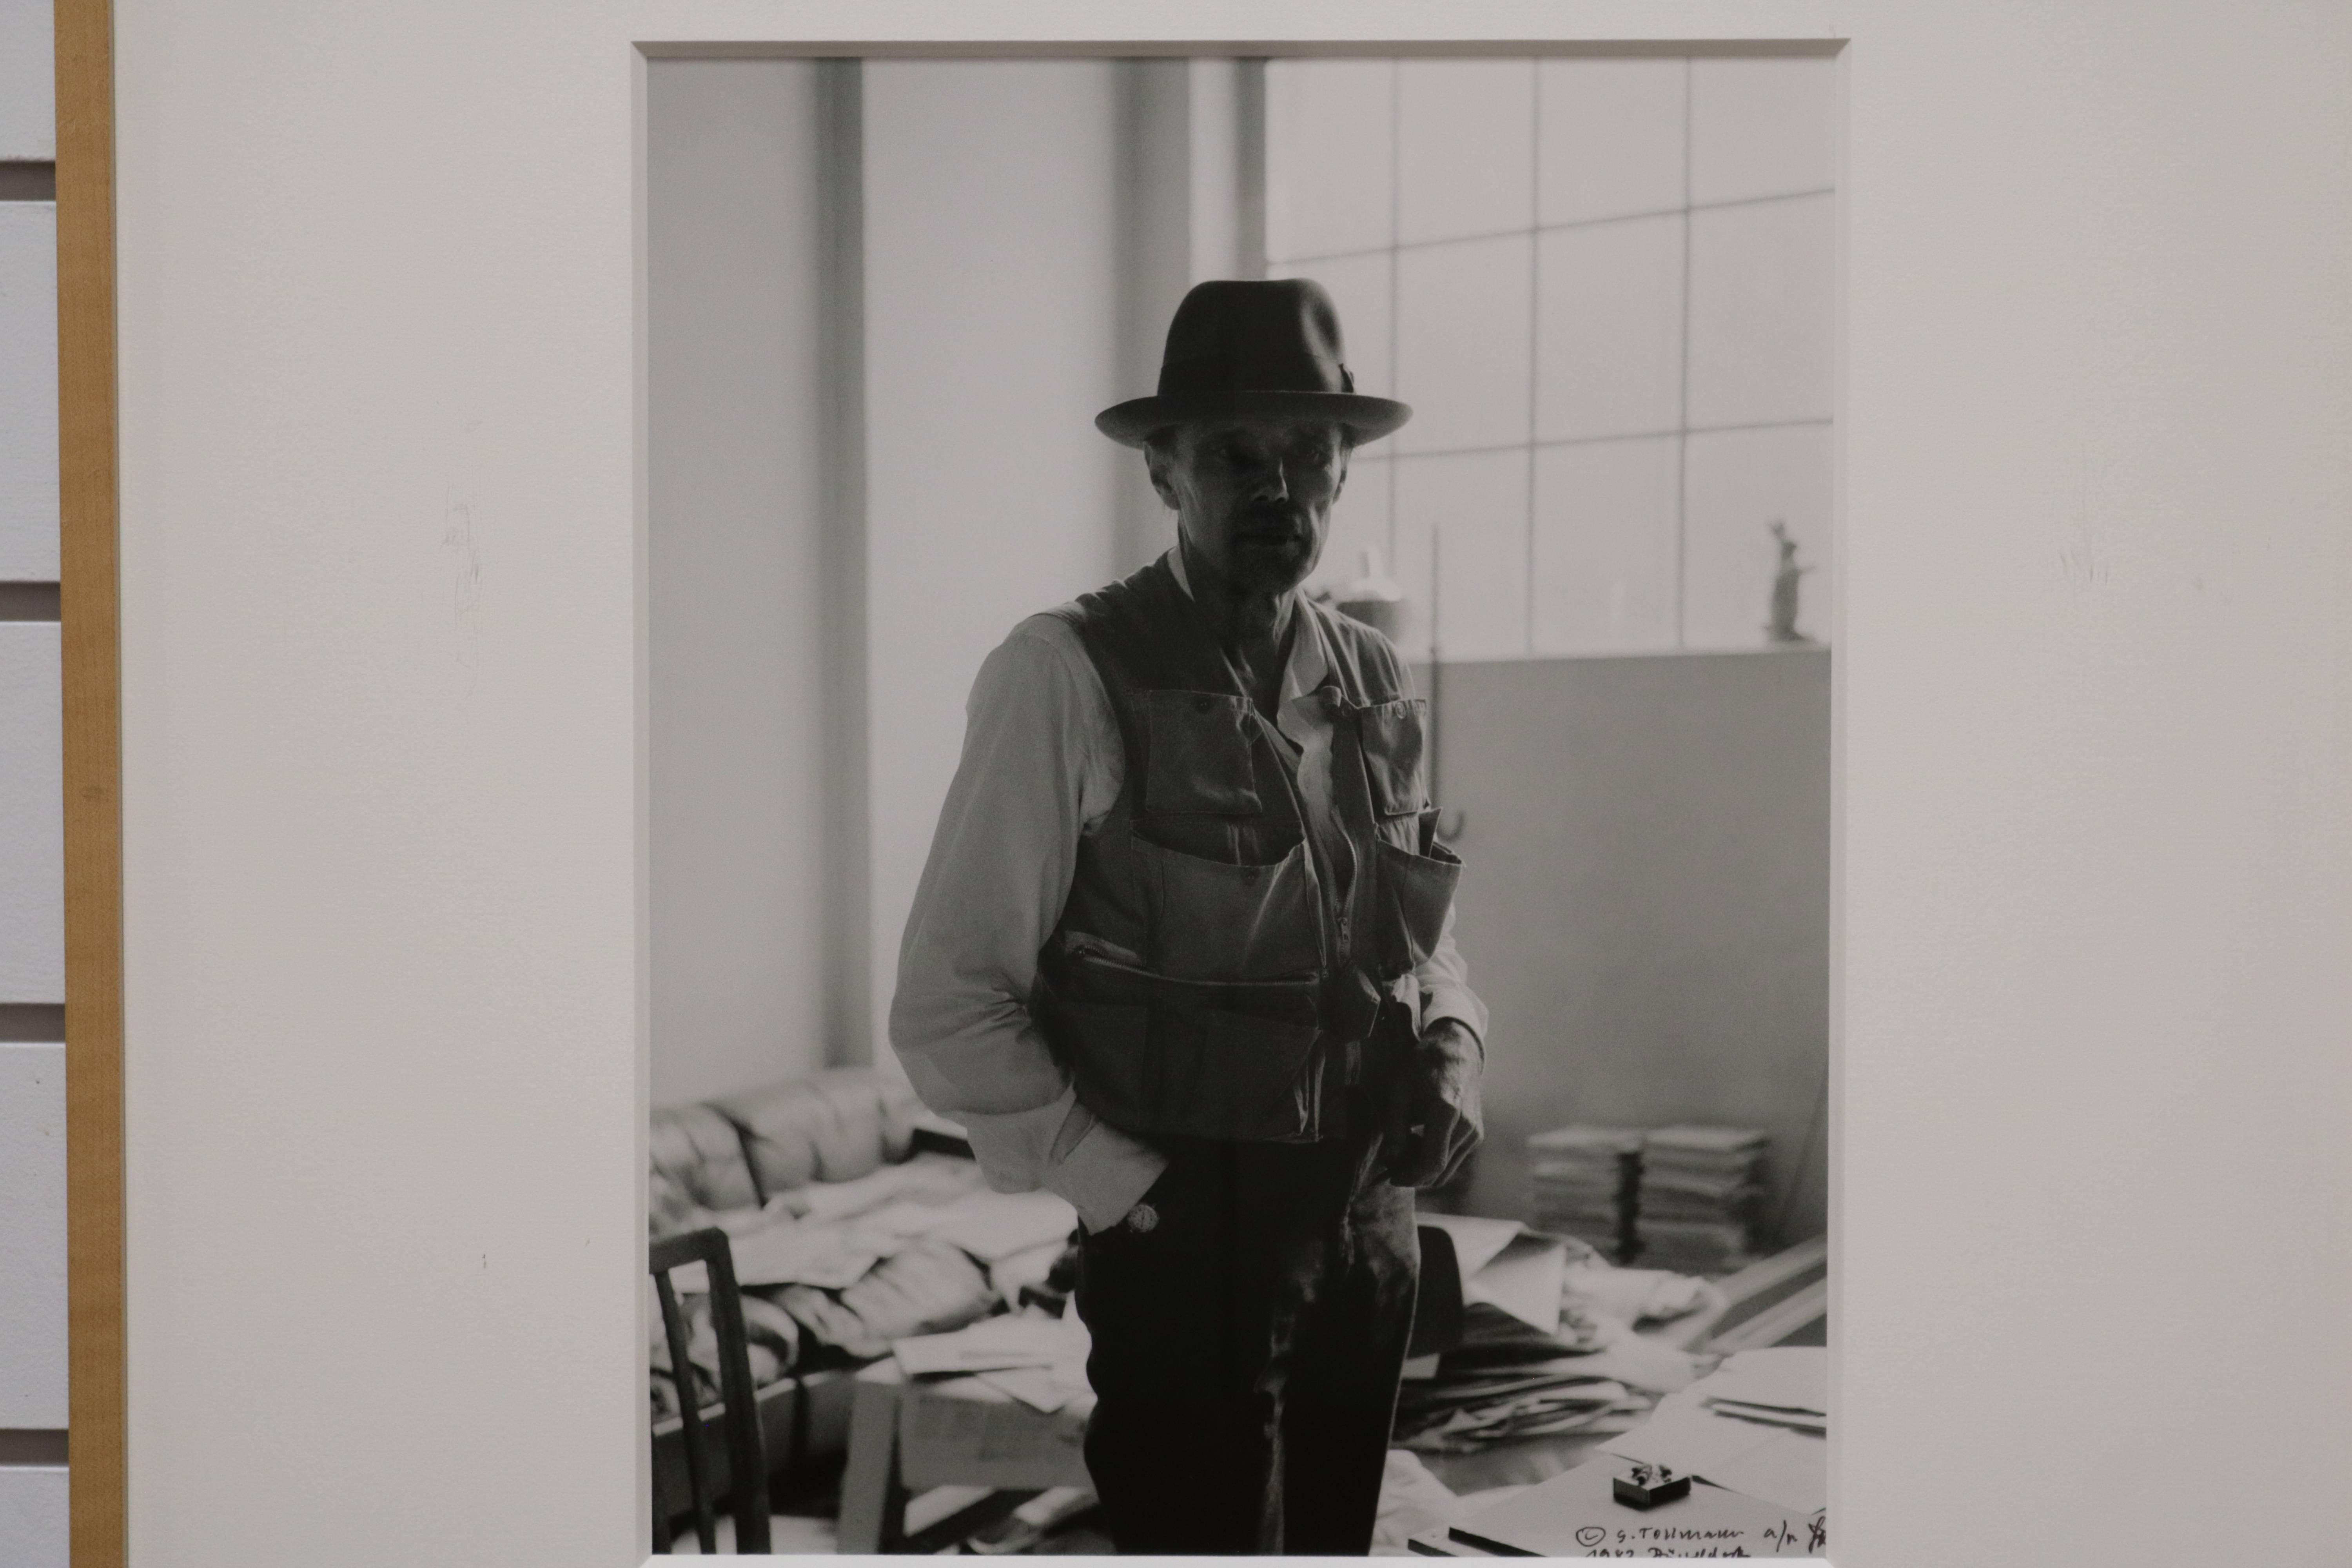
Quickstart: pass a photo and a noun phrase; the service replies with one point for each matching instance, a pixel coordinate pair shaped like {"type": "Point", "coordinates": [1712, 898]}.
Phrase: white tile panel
{"type": "Point", "coordinates": [32, 816]}
{"type": "Point", "coordinates": [1476, 504]}
{"type": "Point", "coordinates": [1610, 138]}
{"type": "Point", "coordinates": [28, 129]}
{"type": "Point", "coordinates": [33, 1516]}
{"type": "Point", "coordinates": [1462, 330]}
{"type": "Point", "coordinates": [28, 387]}
{"type": "Point", "coordinates": [1737, 483]}
{"type": "Point", "coordinates": [1609, 329]}
{"type": "Point", "coordinates": [1329, 139]}
{"type": "Point", "coordinates": [1762, 311]}
{"type": "Point", "coordinates": [1361, 286]}
{"type": "Point", "coordinates": [1358, 519]}
{"type": "Point", "coordinates": [1605, 547]}
{"type": "Point", "coordinates": [1466, 148]}
{"type": "Point", "coordinates": [32, 1236]}
{"type": "Point", "coordinates": [1762, 128]}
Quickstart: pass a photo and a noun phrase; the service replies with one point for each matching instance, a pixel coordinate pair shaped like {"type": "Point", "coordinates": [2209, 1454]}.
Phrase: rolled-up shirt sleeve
{"type": "Point", "coordinates": [1036, 773]}
{"type": "Point", "coordinates": [1444, 980]}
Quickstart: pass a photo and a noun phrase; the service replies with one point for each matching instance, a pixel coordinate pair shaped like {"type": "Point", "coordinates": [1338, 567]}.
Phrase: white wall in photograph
{"type": "Point", "coordinates": [734, 577]}
{"type": "Point", "coordinates": [992, 243]}
{"type": "Point", "coordinates": [1546, 257]}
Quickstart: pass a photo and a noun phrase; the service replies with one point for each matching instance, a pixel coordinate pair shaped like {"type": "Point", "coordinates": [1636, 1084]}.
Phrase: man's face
{"type": "Point", "coordinates": [1253, 497]}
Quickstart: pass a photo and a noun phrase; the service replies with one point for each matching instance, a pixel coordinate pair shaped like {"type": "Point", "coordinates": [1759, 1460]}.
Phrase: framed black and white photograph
{"type": "Point", "coordinates": [1206, 615]}
{"type": "Point", "coordinates": [1313, 780]}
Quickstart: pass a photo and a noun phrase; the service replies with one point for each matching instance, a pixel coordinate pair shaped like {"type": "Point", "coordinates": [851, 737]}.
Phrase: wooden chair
{"type": "Point", "coordinates": [747, 1463]}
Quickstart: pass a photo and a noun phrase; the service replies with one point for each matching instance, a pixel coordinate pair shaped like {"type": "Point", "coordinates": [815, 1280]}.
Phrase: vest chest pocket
{"type": "Point", "coordinates": [1391, 737]}
{"type": "Point", "coordinates": [1200, 759]}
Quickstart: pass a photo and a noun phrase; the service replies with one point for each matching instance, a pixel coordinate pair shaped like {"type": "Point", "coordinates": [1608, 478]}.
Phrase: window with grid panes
{"type": "Point", "coordinates": [1606, 287]}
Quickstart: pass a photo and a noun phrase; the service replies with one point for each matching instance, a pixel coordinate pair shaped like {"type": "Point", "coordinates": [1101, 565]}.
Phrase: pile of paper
{"type": "Point", "coordinates": [1574, 1173]}
{"type": "Point", "coordinates": [1700, 1191]}
{"type": "Point", "coordinates": [1526, 1367]}
{"type": "Point", "coordinates": [829, 1235]}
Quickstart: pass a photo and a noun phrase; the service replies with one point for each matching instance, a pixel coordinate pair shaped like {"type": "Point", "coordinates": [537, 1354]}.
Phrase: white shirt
{"type": "Point", "coordinates": [1043, 764]}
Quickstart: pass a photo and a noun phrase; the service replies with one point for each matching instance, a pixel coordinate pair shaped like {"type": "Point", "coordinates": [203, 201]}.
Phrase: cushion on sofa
{"type": "Point", "coordinates": [697, 1156]}
{"type": "Point", "coordinates": [832, 1126]}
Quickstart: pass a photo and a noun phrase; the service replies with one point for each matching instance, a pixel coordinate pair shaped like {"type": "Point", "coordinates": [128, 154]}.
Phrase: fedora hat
{"type": "Point", "coordinates": [1244, 349]}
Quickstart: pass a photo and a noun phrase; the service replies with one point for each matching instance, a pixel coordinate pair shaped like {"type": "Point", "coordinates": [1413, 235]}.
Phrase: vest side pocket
{"type": "Point", "coordinates": [1154, 1056]}
{"type": "Point", "coordinates": [1223, 1074]}
{"type": "Point", "coordinates": [1212, 919]}
{"type": "Point", "coordinates": [1414, 893]}
{"type": "Point", "coordinates": [1391, 737]}
{"type": "Point", "coordinates": [1200, 759]}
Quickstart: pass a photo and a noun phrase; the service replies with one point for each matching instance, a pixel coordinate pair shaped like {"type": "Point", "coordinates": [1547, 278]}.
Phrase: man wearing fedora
{"type": "Point", "coordinates": [1182, 953]}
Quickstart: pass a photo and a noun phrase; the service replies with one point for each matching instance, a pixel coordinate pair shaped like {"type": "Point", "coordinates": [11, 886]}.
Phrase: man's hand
{"type": "Point", "coordinates": [1434, 1116]}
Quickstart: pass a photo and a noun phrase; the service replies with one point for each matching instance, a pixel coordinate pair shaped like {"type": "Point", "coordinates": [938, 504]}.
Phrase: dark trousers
{"type": "Point", "coordinates": [1247, 1349]}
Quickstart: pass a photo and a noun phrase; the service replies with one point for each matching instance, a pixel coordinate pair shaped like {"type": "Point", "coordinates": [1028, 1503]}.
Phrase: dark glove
{"type": "Point", "coordinates": [1433, 1115]}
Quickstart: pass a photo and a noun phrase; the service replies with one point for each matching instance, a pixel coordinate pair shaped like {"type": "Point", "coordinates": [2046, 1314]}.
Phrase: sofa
{"type": "Point", "coordinates": [752, 1160]}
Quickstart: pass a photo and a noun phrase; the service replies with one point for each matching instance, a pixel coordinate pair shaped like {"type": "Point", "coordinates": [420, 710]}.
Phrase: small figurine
{"type": "Point", "coordinates": [1785, 581]}
{"type": "Point", "coordinates": [1647, 1486]}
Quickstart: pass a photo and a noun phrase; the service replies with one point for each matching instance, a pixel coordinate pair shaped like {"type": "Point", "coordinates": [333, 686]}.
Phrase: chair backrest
{"type": "Point", "coordinates": [747, 1463]}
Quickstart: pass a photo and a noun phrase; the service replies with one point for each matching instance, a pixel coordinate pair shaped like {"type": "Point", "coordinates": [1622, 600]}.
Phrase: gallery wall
{"type": "Point", "coordinates": [32, 884]}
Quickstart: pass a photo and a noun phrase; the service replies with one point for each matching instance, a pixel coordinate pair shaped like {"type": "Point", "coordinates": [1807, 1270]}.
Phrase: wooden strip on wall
{"type": "Point", "coordinates": [92, 666]}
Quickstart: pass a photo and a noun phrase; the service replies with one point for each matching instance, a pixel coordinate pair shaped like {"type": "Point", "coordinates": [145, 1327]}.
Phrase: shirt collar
{"type": "Point", "coordinates": [1309, 664]}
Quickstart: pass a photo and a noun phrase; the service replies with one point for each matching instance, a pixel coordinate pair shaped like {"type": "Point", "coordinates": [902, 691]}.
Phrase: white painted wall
{"type": "Point", "coordinates": [32, 1239]}
{"type": "Point", "coordinates": [992, 342]}
{"type": "Point", "coordinates": [32, 816]}
{"type": "Point", "coordinates": [28, 387]}
{"type": "Point", "coordinates": [32, 1529]}
{"type": "Point", "coordinates": [735, 579]}
{"type": "Point", "coordinates": [27, 82]}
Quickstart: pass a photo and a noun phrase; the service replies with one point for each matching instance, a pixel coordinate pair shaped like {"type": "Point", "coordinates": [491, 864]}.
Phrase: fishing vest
{"type": "Point", "coordinates": [1225, 963]}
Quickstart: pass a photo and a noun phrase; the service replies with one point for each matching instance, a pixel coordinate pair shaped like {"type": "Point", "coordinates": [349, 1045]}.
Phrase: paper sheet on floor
{"type": "Point", "coordinates": [1694, 1441]}
{"type": "Point", "coordinates": [1791, 1469]}
{"type": "Point", "coordinates": [992, 1345]}
{"type": "Point", "coordinates": [1786, 1377]}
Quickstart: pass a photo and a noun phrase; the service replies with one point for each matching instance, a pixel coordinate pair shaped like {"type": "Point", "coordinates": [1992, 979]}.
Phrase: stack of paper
{"type": "Point", "coordinates": [1700, 1189]}
{"type": "Point", "coordinates": [1575, 1173]}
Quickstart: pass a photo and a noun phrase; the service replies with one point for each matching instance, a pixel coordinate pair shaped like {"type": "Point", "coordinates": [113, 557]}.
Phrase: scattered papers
{"type": "Point", "coordinates": [1476, 1240]}
{"type": "Point", "coordinates": [1047, 1388]}
{"type": "Point", "coordinates": [1635, 1295]}
{"type": "Point", "coordinates": [1802, 1420]}
{"type": "Point", "coordinates": [1689, 1438]}
{"type": "Point", "coordinates": [1757, 1425]}
{"type": "Point", "coordinates": [790, 1253]}
{"type": "Point", "coordinates": [992, 1344]}
{"type": "Point", "coordinates": [1506, 1264]}
{"type": "Point", "coordinates": [995, 1226]}
{"type": "Point", "coordinates": [1791, 1469]}
{"type": "Point", "coordinates": [925, 1178]}
{"type": "Point", "coordinates": [1782, 1377]}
